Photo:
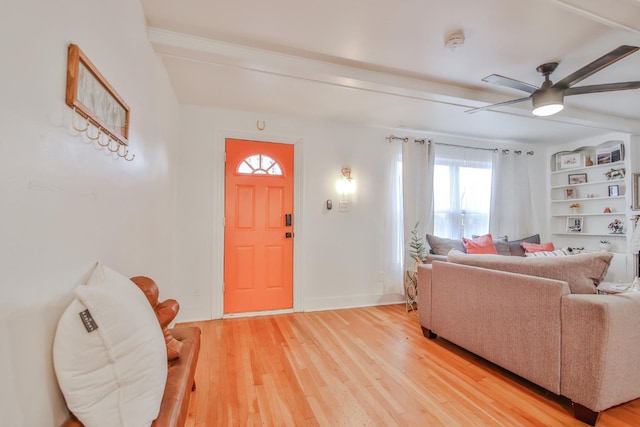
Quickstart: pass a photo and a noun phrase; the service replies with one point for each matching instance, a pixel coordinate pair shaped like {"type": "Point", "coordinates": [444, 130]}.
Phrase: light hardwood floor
{"type": "Point", "coordinates": [361, 367]}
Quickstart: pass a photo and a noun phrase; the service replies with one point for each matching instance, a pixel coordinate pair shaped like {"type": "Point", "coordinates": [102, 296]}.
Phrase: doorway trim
{"type": "Point", "coordinates": [217, 250]}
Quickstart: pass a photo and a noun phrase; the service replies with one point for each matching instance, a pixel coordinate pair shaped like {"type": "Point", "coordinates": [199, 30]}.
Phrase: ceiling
{"type": "Point", "coordinates": [384, 62]}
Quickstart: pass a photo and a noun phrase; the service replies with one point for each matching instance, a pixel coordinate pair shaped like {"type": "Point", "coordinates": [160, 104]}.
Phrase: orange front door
{"type": "Point", "coordinates": [258, 232]}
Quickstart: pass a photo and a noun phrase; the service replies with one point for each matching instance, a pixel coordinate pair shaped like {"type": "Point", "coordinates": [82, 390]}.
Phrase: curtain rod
{"type": "Point", "coordinates": [430, 141]}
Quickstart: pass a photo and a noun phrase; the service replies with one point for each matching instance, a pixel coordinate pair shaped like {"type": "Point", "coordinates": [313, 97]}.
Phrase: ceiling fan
{"type": "Point", "coordinates": [548, 99]}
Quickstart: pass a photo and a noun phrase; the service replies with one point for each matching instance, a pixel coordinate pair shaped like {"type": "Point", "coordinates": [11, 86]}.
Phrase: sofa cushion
{"type": "Point", "coordinates": [516, 249]}
{"type": "Point", "coordinates": [442, 246]}
{"type": "Point", "coordinates": [480, 245]}
{"type": "Point", "coordinates": [583, 272]}
{"type": "Point", "coordinates": [109, 353]}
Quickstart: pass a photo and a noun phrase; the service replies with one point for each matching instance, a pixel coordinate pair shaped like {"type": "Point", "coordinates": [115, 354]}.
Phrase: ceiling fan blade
{"type": "Point", "coordinates": [608, 87]}
{"type": "Point", "coordinates": [597, 65]}
{"type": "Point", "coordinates": [497, 79]}
{"type": "Point", "coordinates": [500, 104]}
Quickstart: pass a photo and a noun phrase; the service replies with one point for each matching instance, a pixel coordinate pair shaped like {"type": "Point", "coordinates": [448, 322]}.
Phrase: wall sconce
{"type": "Point", "coordinates": [347, 185]}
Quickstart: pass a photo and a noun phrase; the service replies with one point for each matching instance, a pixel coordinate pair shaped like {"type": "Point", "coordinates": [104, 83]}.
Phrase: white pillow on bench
{"type": "Point", "coordinates": [112, 371]}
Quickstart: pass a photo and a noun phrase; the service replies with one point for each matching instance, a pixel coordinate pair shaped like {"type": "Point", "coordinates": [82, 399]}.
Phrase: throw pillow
{"type": "Point", "coordinates": [537, 247]}
{"type": "Point", "coordinates": [583, 272]}
{"type": "Point", "coordinates": [480, 245]}
{"type": "Point", "coordinates": [442, 246]}
{"type": "Point", "coordinates": [109, 353]}
{"type": "Point", "coordinates": [559, 252]}
{"type": "Point", "coordinates": [501, 244]}
{"type": "Point", "coordinates": [517, 250]}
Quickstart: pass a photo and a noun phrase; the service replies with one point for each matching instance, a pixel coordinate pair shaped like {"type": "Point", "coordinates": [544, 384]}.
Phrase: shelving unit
{"type": "Point", "coordinates": [602, 200]}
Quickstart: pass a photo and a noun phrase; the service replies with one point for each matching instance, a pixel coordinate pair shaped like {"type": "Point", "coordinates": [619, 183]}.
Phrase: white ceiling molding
{"type": "Point", "coordinates": [621, 14]}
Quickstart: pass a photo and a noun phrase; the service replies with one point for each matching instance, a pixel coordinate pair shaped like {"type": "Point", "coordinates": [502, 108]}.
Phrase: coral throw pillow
{"type": "Point", "coordinates": [535, 247]}
{"type": "Point", "coordinates": [480, 245]}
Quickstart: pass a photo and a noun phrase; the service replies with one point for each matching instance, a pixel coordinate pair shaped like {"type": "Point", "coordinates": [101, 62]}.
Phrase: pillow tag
{"type": "Point", "coordinates": [89, 324]}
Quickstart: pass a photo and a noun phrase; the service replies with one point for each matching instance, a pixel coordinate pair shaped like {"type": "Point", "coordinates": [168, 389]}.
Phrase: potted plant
{"type": "Point", "coordinates": [417, 248]}
{"type": "Point", "coordinates": [605, 245]}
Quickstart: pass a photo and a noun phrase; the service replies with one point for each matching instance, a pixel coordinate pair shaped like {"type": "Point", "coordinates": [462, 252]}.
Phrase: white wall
{"type": "Point", "coordinates": [66, 204]}
{"type": "Point", "coordinates": [340, 257]}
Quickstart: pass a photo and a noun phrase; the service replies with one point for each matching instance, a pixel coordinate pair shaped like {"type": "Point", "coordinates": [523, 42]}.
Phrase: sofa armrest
{"type": "Point", "coordinates": [601, 349]}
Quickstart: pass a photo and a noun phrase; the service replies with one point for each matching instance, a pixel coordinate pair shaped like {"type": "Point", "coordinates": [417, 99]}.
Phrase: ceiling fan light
{"type": "Point", "coordinates": [547, 102]}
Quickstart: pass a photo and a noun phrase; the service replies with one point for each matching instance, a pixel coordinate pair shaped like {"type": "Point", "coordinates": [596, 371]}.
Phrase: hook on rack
{"type": "Point", "coordinates": [100, 136]}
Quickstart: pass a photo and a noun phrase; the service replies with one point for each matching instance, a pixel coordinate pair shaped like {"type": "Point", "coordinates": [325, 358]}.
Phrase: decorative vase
{"type": "Point", "coordinates": [605, 247]}
{"type": "Point", "coordinates": [588, 162]}
{"type": "Point", "coordinates": [575, 210]}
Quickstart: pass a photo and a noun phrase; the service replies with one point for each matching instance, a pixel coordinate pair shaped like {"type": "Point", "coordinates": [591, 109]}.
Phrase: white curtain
{"type": "Point", "coordinates": [393, 248]}
{"type": "Point", "coordinates": [418, 160]}
{"type": "Point", "coordinates": [511, 201]}
{"type": "Point", "coordinates": [410, 191]}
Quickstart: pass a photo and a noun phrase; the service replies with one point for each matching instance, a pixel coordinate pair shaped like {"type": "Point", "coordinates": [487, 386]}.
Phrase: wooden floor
{"type": "Point", "coordinates": [361, 367]}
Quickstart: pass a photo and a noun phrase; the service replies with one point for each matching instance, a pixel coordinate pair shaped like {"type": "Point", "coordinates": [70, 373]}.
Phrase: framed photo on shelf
{"type": "Point", "coordinates": [614, 190]}
{"type": "Point", "coordinates": [570, 160]}
{"type": "Point", "coordinates": [611, 154]}
{"type": "Point", "coordinates": [570, 193]}
{"type": "Point", "coordinates": [577, 178]}
{"type": "Point", "coordinates": [574, 224]}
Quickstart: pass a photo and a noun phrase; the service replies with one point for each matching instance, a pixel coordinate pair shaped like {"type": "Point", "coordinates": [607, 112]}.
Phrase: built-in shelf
{"type": "Point", "coordinates": [583, 199]}
{"type": "Point", "coordinates": [615, 165]}
{"type": "Point", "coordinates": [589, 214]}
{"type": "Point", "coordinates": [566, 233]}
{"type": "Point", "coordinates": [584, 184]}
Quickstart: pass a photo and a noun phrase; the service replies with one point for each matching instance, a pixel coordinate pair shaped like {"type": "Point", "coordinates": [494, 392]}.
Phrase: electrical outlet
{"type": "Point", "coordinates": [343, 207]}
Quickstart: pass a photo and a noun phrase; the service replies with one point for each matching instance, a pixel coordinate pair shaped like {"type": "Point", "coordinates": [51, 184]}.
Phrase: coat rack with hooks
{"type": "Point", "coordinates": [96, 133]}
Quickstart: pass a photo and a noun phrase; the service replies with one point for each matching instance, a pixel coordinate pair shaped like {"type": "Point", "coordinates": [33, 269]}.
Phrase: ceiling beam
{"type": "Point", "coordinates": [199, 49]}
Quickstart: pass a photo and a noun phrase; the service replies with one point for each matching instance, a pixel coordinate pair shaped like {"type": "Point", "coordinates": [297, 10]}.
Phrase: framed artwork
{"type": "Point", "coordinates": [614, 190]}
{"type": "Point", "coordinates": [570, 160]}
{"type": "Point", "coordinates": [92, 97]}
{"type": "Point", "coordinates": [577, 178]}
{"type": "Point", "coordinates": [635, 191]}
{"type": "Point", "coordinates": [611, 154]}
{"type": "Point", "coordinates": [574, 224]}
{"type": "Point", "coordinates": [569, 193]}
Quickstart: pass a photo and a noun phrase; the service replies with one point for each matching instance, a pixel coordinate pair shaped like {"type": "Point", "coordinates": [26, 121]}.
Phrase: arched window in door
{"type": "Point", "coordinates": [259, 164]}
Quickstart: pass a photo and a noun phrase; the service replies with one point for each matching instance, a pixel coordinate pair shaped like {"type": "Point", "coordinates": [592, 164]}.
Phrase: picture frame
{"type": "Point", "coordinates": [603, 157]}
{"type": "Point", "coordinates": [92, 97]}
{"type": "Point", "coordinates": [577, 178]}
{"type": "Point", "coordinates": [612, 154]}
{"type": "Point", "coordinates": [570, 193]}
{"type": "Point", "coordinates": [614, 190]}
{"type": "Point", "coordinates": [570, 160]}
{"type": "Point", "coordinates": [635, 191]}
{"type": "Point", "coordinates": [574, 224]}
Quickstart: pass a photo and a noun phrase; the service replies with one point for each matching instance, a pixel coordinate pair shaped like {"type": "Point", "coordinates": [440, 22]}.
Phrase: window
{"type": "Point", "coordinates": [259, 164]}
{"type": "Point", "coordinates": [462, 195]}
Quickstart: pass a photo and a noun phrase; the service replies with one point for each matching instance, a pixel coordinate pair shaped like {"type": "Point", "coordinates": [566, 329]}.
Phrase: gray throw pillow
{"type": "Point", "coordinates": [442, 246]}
{"type": "Point", "coordinates": [517, 250]}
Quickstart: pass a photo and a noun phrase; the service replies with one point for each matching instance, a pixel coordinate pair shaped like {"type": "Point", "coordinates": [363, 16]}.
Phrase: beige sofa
{"type": "Point", "coordinates": [554, 331]}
